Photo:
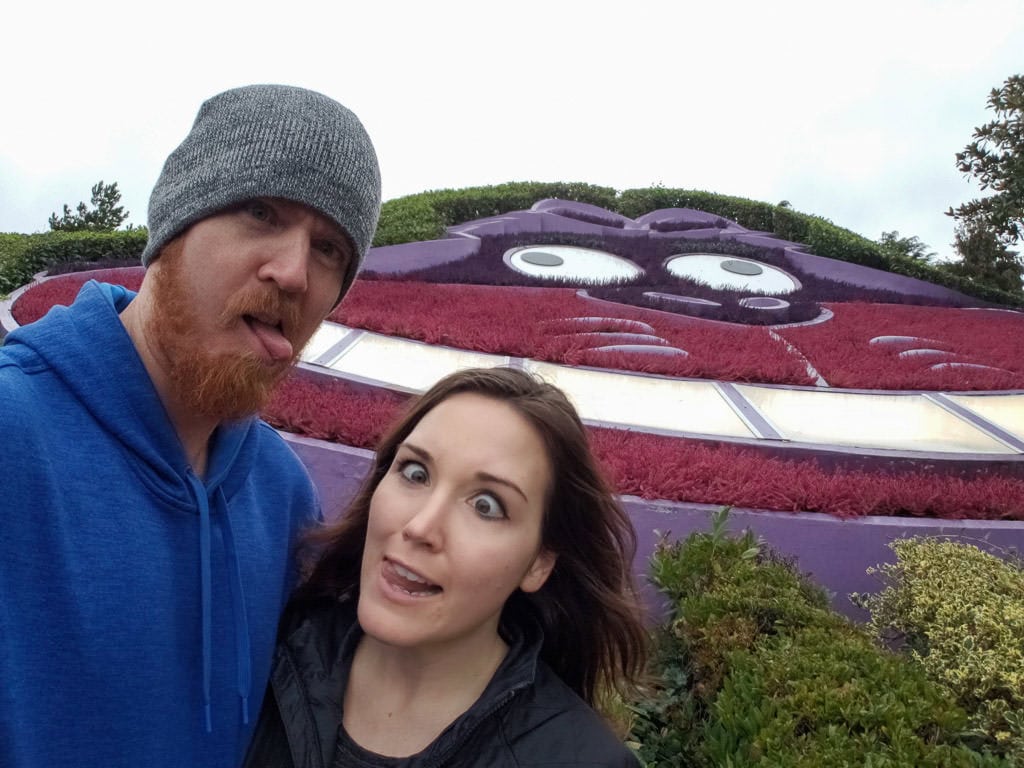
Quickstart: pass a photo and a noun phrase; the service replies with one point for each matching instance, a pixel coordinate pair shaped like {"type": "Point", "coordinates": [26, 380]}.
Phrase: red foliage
{"type": "Point", "coordinates": [659, 467]}
{"type": "Point", "coordinates": [538, 323]}
{"type": "Point", "coordinates": [651, 466]}
{"type": "Point", "coordinates": [332, 409]}
{"type": "Point", "coordinates": [523, 322]}
{"type": "Point", "coordinates": [37, 300]}
{"type": "Point", "coordinates": [841, 351]}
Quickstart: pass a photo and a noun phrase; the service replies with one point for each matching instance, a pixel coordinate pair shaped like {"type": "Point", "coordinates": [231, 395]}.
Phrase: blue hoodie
{"type": "Point", "coordinates": [138, 602]}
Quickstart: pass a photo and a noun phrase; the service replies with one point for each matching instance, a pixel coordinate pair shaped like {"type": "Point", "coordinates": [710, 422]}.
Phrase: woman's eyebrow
{"type": "Point", "coordinates": [488, 477]}
{"type": "Point", "coordinates": [423, 453]}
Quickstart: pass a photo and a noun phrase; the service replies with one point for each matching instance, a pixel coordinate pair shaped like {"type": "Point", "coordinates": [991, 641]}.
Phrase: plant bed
{"type": "Point", "coordinates": [753, 669]}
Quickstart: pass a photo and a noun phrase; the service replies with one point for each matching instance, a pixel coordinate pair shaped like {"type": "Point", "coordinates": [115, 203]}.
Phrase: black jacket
{"type": "Point", "coordinates": [525, 717]}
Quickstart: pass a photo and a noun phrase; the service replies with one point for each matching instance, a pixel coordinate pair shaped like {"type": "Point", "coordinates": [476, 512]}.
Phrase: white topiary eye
{"type": "Point", "coordinates": [732, 273]}
{"type": "Point", "coordinates": [567, 262]}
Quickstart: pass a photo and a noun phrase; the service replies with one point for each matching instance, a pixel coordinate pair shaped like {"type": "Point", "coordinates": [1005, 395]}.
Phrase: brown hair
{"type": "Point", "coordinates": [594, 637]}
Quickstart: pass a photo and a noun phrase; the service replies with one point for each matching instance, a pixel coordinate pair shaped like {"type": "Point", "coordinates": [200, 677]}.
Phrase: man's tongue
{"type": "Point", "coordinates": [277, 346]}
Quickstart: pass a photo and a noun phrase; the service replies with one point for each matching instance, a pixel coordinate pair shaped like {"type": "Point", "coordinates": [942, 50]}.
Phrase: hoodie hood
{"type": "Point", "coordinates": [78, 346]}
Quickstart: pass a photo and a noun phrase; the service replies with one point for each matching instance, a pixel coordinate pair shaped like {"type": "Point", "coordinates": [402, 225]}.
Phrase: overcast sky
{"type": "Point", "coordinates": [852, 111]}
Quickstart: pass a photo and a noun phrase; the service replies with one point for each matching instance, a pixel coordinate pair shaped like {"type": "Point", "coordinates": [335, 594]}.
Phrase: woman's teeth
{"type": "Point", "coordinates": [410, 575]}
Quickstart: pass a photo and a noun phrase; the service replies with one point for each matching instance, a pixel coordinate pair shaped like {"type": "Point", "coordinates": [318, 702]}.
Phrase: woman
{"type": "Point", "coordinates": [474, 603]}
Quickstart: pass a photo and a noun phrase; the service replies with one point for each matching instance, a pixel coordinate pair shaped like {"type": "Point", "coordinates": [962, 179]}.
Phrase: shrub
{"type": "Point", "coordinates": [789, 225]}
{"type": "Point", "coordinates": [825, 696]}
{"type": "Point", "coordinates": [424, 216]}
{"type": "Point", "coordinates": [747, 213]}
{"type": "Point", "coordinates": [21, 256]}
{"type": "Point", "coordinates": [826, 239]}
{"type": "Point", "coordinates": [726, 592]}
{"type": "Point", "coordinates": [666, 723]}
{"type": "Point", "coordinates": [959, 612]}
{"type": "Point", "coordinates": [763, 673]}
{"type": "Point", "coordinates": [12, 254]}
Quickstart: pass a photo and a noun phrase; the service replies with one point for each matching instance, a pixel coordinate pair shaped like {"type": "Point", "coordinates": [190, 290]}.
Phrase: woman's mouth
{"type": "Point", "coordinates": [408, 581]}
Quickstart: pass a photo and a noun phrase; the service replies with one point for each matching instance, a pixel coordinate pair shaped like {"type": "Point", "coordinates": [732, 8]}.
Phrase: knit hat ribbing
{"type": "Point", "coordinates": [270, 141]}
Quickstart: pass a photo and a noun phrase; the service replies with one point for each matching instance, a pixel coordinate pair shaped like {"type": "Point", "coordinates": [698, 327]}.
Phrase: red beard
{"type": "Point", "coordinates": [223, 386]}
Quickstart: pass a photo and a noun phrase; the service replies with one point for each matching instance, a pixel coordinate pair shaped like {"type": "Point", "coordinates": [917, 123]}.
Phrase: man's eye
{"type": "Point", "coordinates": [330, 249]}
{"type": "Point", "coordinates": [258, 210]}
{"type": "Point", "coordinates": [414, 472]}
{"type": "Point", "coordinates": [488, 506]}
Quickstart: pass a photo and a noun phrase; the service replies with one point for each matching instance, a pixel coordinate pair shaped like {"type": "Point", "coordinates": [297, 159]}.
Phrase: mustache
{"type": "Point", "coordinates": [263, 303]}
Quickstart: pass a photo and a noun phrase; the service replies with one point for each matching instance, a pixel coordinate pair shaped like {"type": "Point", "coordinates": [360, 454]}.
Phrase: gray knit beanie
{"type": "Point", "coordinates": [270, 141]}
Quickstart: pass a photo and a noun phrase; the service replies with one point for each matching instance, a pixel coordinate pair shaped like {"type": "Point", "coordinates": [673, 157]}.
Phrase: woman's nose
{"type": "Point", "coordinates": [426, 523]}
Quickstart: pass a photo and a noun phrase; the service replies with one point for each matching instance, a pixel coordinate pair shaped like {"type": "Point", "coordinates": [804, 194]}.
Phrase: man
{"type": "Point", "coordinates": [147, 516]}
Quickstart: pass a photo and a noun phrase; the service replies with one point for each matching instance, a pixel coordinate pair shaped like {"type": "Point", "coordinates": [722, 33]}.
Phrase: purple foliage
{"type": "Point", "coordinates": [487, 267]}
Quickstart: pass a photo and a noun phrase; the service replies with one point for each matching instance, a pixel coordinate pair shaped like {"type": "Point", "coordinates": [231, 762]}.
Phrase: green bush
{"type": "Point", "coordinates": [12, 258]}
{"type": "Point", "coordinates": [790, 225]}
{"type": "Point", "coordinates": [748, 213]}
{"type": "Point", "coordinates": [959, 613]}
{"type": "Point", "coordinates": [726, 593]}
{"type": "Point", "coordinates": [755, 669]}
{"type": "Point", "coordinates": [425, 216]}
{"type": "Point", "coordinates": [408, 220]}
{"type": "Point", "coordinates": [21, 256]}
{"type": "Point", "coordinates": [824, 696]}
{"type": "Point", "coordinates": [667, 722]}
{"type": "Point", "coordinates": [826, 239]}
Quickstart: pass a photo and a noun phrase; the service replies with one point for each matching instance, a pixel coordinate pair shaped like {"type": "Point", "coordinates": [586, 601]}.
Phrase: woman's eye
{"type": "Point", "coordinates": [414, 472]}
{"type": "Point", "coordinates": [488, 506]}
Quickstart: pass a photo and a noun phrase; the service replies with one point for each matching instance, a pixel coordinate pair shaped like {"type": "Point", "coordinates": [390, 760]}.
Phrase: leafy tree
{"type": "Point", "coordinates": [106, 215]}
{"type": "Point", "coordinates": [986, 259]}
{"type": "Point", "coordinates": [907, 247]}
{"type": "Point", "coordinates": [996, 159]}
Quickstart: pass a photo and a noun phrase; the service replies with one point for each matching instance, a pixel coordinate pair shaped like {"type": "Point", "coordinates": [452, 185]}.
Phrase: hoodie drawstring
{"type": "Point", "coordinates": [242, 642]}
{"type": "Point", "coordinates": [243, 652]}
{"type": "Point", "coordinates": [206, 589]}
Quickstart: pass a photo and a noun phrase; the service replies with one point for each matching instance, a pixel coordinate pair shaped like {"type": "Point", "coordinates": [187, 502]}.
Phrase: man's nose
{"type": "Point", "coordinates": [286, 261]}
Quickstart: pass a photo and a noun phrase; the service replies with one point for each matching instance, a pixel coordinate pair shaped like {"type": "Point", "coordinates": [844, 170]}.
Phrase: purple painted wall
{"type": "Point", "coordinates": [835, 552]}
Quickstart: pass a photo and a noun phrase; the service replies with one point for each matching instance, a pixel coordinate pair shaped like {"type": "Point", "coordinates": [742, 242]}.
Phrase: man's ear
{"type": "Point", "coordinates": [539, 571]}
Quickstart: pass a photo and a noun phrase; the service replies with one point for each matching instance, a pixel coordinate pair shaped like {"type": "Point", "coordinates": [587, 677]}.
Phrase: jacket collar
{"type": "Point", "coordinates": [311, 674]}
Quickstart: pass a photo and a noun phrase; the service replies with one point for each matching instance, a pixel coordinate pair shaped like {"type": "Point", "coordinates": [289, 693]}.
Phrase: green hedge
{"type": "Point", "coordinates": [425, 216]}
{"type": "Point", "coordinates": [12, 261]}
{"type": "Point", "coordinates": [747, 213]}
{"type": "Point", "coordinates": [958, 612]}
{"type": "Point", "coordinates": [757, 670]}
{"type": "Point", "coordinates": [21, 256]}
